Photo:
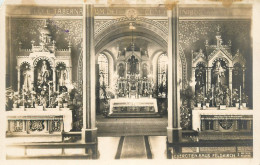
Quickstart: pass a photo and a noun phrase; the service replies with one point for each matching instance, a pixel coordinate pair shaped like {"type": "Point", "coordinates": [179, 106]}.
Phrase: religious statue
{"type": "Point", "coordinates": [62, 76]}
{"type": "Point", "coordinates": [200, 77]}
{"type": "Point", "coordinates": [44, 73]}
{"type": "Point", "coordinates": [219, 74]}
{"type": "Point", "coordinates": [121, 70]}
{"type": "Point", "coordinates": [26, 79]}
{"type": "Point", "coordinates": [102, 79]}
{"type": "Point", "coordinates": [133, 64]}
{"type": "Point", "coordinates": [145, 71]}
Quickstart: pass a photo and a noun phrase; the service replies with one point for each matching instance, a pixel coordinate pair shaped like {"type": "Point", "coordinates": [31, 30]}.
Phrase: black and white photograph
{"type": "Point", "coordinates": [111, 80]}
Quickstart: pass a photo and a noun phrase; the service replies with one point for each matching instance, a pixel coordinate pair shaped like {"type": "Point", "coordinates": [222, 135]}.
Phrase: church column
{"type": "Point", "coordinates": [208, 78]}
{"type": "Point", "coordinates": [54, 78]}
{"type": "Point", "coordinates": [230, 83]}
{"type": "Point", "coordinates": [174, 133]}
{"type": "Point", "coordinates": [32, 77]}
{"type": "Point", "coordinates": [18, 78]}
{"type": "Point", "coordinates": [89, 130]}
{"type": "Point", "coordinates": [70, 74]}
{"type": "Point", "coordinates": [193, 79]}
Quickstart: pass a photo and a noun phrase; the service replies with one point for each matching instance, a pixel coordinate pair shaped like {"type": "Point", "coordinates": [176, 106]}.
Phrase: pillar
{"type": "Point", "coordinates": [230, 83]}
{"type": "Point", "coordinates": [193, 77]}
{"type": "Point", "coordinates": [244, 69]}
{"type": "Point", "coordinates": [54, 78]}
{"type": "Point", "coordinates": [174, 133]}
{"type": "Point", "coordinates": [208, 79]}
{"type": "Point", "coordinates": [32, 77]}
{"type": "Point", "coordinates": [89, 130]}
{"type": "Point", "coordinates": [18, 77]}
{"type": "Point", "coordinates": [70, 74]}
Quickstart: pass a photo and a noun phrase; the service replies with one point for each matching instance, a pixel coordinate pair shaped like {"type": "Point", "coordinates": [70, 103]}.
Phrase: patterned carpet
{"type": "Point", "coordinates": [131, 126]}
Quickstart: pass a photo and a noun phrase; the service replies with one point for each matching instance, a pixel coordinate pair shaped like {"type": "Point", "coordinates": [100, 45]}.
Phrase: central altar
{"type": "Point", "coordinates": [133, 106]}
{"type": "Point", "coordinates": [132, 86]}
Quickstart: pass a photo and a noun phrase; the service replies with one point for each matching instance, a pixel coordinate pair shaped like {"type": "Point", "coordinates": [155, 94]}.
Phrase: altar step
{"type": "Point", "coordinates": [135, 115]}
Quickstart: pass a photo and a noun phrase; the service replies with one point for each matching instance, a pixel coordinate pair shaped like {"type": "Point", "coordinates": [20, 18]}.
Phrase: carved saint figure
{"type": "Point", "coordinates": [145, 71]}
{"type": "Point", "coordinates": [62, 76]}
{"type": "Point", "coordinates": [26, 79]}
{"type": "Point", "coordinates": [219, 74]}
{"type": "Point", "coordinates": [133, 64]}
{"type": "Point", "coordinates": [121, 70]}
{"type": "Point", "coordinates": [44, 73]}
{"type": "Point", "coordinates": [102, 79]}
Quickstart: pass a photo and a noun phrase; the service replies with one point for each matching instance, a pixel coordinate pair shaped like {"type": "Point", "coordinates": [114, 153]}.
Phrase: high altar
{"type": "Point", "coordinates": [44, 79]}
{"type": "Point", "coordinates": [134, 82]}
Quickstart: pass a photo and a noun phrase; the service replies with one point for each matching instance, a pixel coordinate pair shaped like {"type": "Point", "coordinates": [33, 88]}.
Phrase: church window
{"type": "Point", "coordinates": [103, 69]}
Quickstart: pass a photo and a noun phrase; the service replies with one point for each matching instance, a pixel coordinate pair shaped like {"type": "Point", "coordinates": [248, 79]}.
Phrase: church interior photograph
{"type": "Point", "coordinates": [167, 80]}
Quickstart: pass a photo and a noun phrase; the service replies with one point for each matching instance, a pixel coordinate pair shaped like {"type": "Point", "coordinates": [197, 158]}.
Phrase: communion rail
{"type": "Point", "coordinates": [90, 150]}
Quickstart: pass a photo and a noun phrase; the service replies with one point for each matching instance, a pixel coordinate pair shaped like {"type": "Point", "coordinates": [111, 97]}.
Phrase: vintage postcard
{"type": "Point", "coordinates": [112, 80]}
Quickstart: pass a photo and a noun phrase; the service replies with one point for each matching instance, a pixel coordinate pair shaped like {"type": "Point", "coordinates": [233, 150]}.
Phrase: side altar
{"type": "Point", "coordinates": [40, 104]}
{"type": "Point", "coordinates": [219, 85]}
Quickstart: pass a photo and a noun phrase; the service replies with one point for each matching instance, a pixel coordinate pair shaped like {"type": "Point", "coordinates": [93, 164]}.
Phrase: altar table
{"type": "Point", "coordinates": [133, 102]}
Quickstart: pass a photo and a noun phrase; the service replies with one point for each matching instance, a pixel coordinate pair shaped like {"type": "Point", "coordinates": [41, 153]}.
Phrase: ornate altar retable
{"type": "Point", "coordinates": [44, 80]}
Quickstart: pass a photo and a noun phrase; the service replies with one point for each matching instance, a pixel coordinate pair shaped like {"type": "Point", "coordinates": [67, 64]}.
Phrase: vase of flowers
{"type": "Point", "coordinates": [235, 97]}
{"type": "Point", "coordinates": [199, 99]}
{"type": "Point", "coordinates": [244, 99]}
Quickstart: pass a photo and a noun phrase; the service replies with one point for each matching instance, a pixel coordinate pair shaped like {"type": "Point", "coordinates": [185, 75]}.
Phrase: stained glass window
{"type": "Point", "coordinates": [162, 69]}
{"type": "Point", "coordinates": [162, 75]}
{"type": "Point", "coordinates": [103, 69]}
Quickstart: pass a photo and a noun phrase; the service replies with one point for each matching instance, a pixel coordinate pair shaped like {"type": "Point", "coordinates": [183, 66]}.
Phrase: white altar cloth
{"type": "Point", "coordinates": [131, 102]}
{"type": "Point", "coordinates": [196, 115]}
{"type": "Point", "coordinates": [42, 115]}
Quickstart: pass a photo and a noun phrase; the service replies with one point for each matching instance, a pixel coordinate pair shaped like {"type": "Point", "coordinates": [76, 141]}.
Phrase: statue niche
{"type": "Point", "coordinates": [200, 78]}
{"type": "Point", "coordinates": [43, 74]}
{"type": "Point", "coordinates": [133, 66]}
{"type": "Point", "coordinates": [121, 70]}
{"type": "Point", "coordinates": [145, 70]}
{"type": "Point", "coordinates": [61, 77]}
{"type": "Point", "coordinates": [26, 78]}
{"type": "Point", "coordinates": [220, 74]}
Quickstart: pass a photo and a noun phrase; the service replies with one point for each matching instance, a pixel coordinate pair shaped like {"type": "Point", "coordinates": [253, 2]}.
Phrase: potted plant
{"type": "Point", "coordinates": [235, 97]}
{"type": "Point", "coordinates": [65, 99]}
{"type": "Point", "coordinates": [244, 99]}
{"type": "Point", "coordinates": [208, 98]}
{"type": "Point", "coordinates": [199, 99]}
{"type": "Point", "coordinates": [15, 99]}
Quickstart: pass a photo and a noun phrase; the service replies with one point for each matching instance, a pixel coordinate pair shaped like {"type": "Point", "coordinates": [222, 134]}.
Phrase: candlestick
{"type": "Point", "coordinates": [240, 95]}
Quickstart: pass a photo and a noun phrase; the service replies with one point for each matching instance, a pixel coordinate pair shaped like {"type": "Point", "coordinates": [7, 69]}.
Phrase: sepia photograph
{"type": "Point", "coordinates": [129, 80]}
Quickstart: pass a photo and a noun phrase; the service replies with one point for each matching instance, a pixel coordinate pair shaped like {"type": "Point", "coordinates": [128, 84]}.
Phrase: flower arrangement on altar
{"type": "Point", "coordinates": [235, 96]}
{"type": "Point", "coordinates": [200, 99]}
{"type": "Point", "coordinates": [244, 99]}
